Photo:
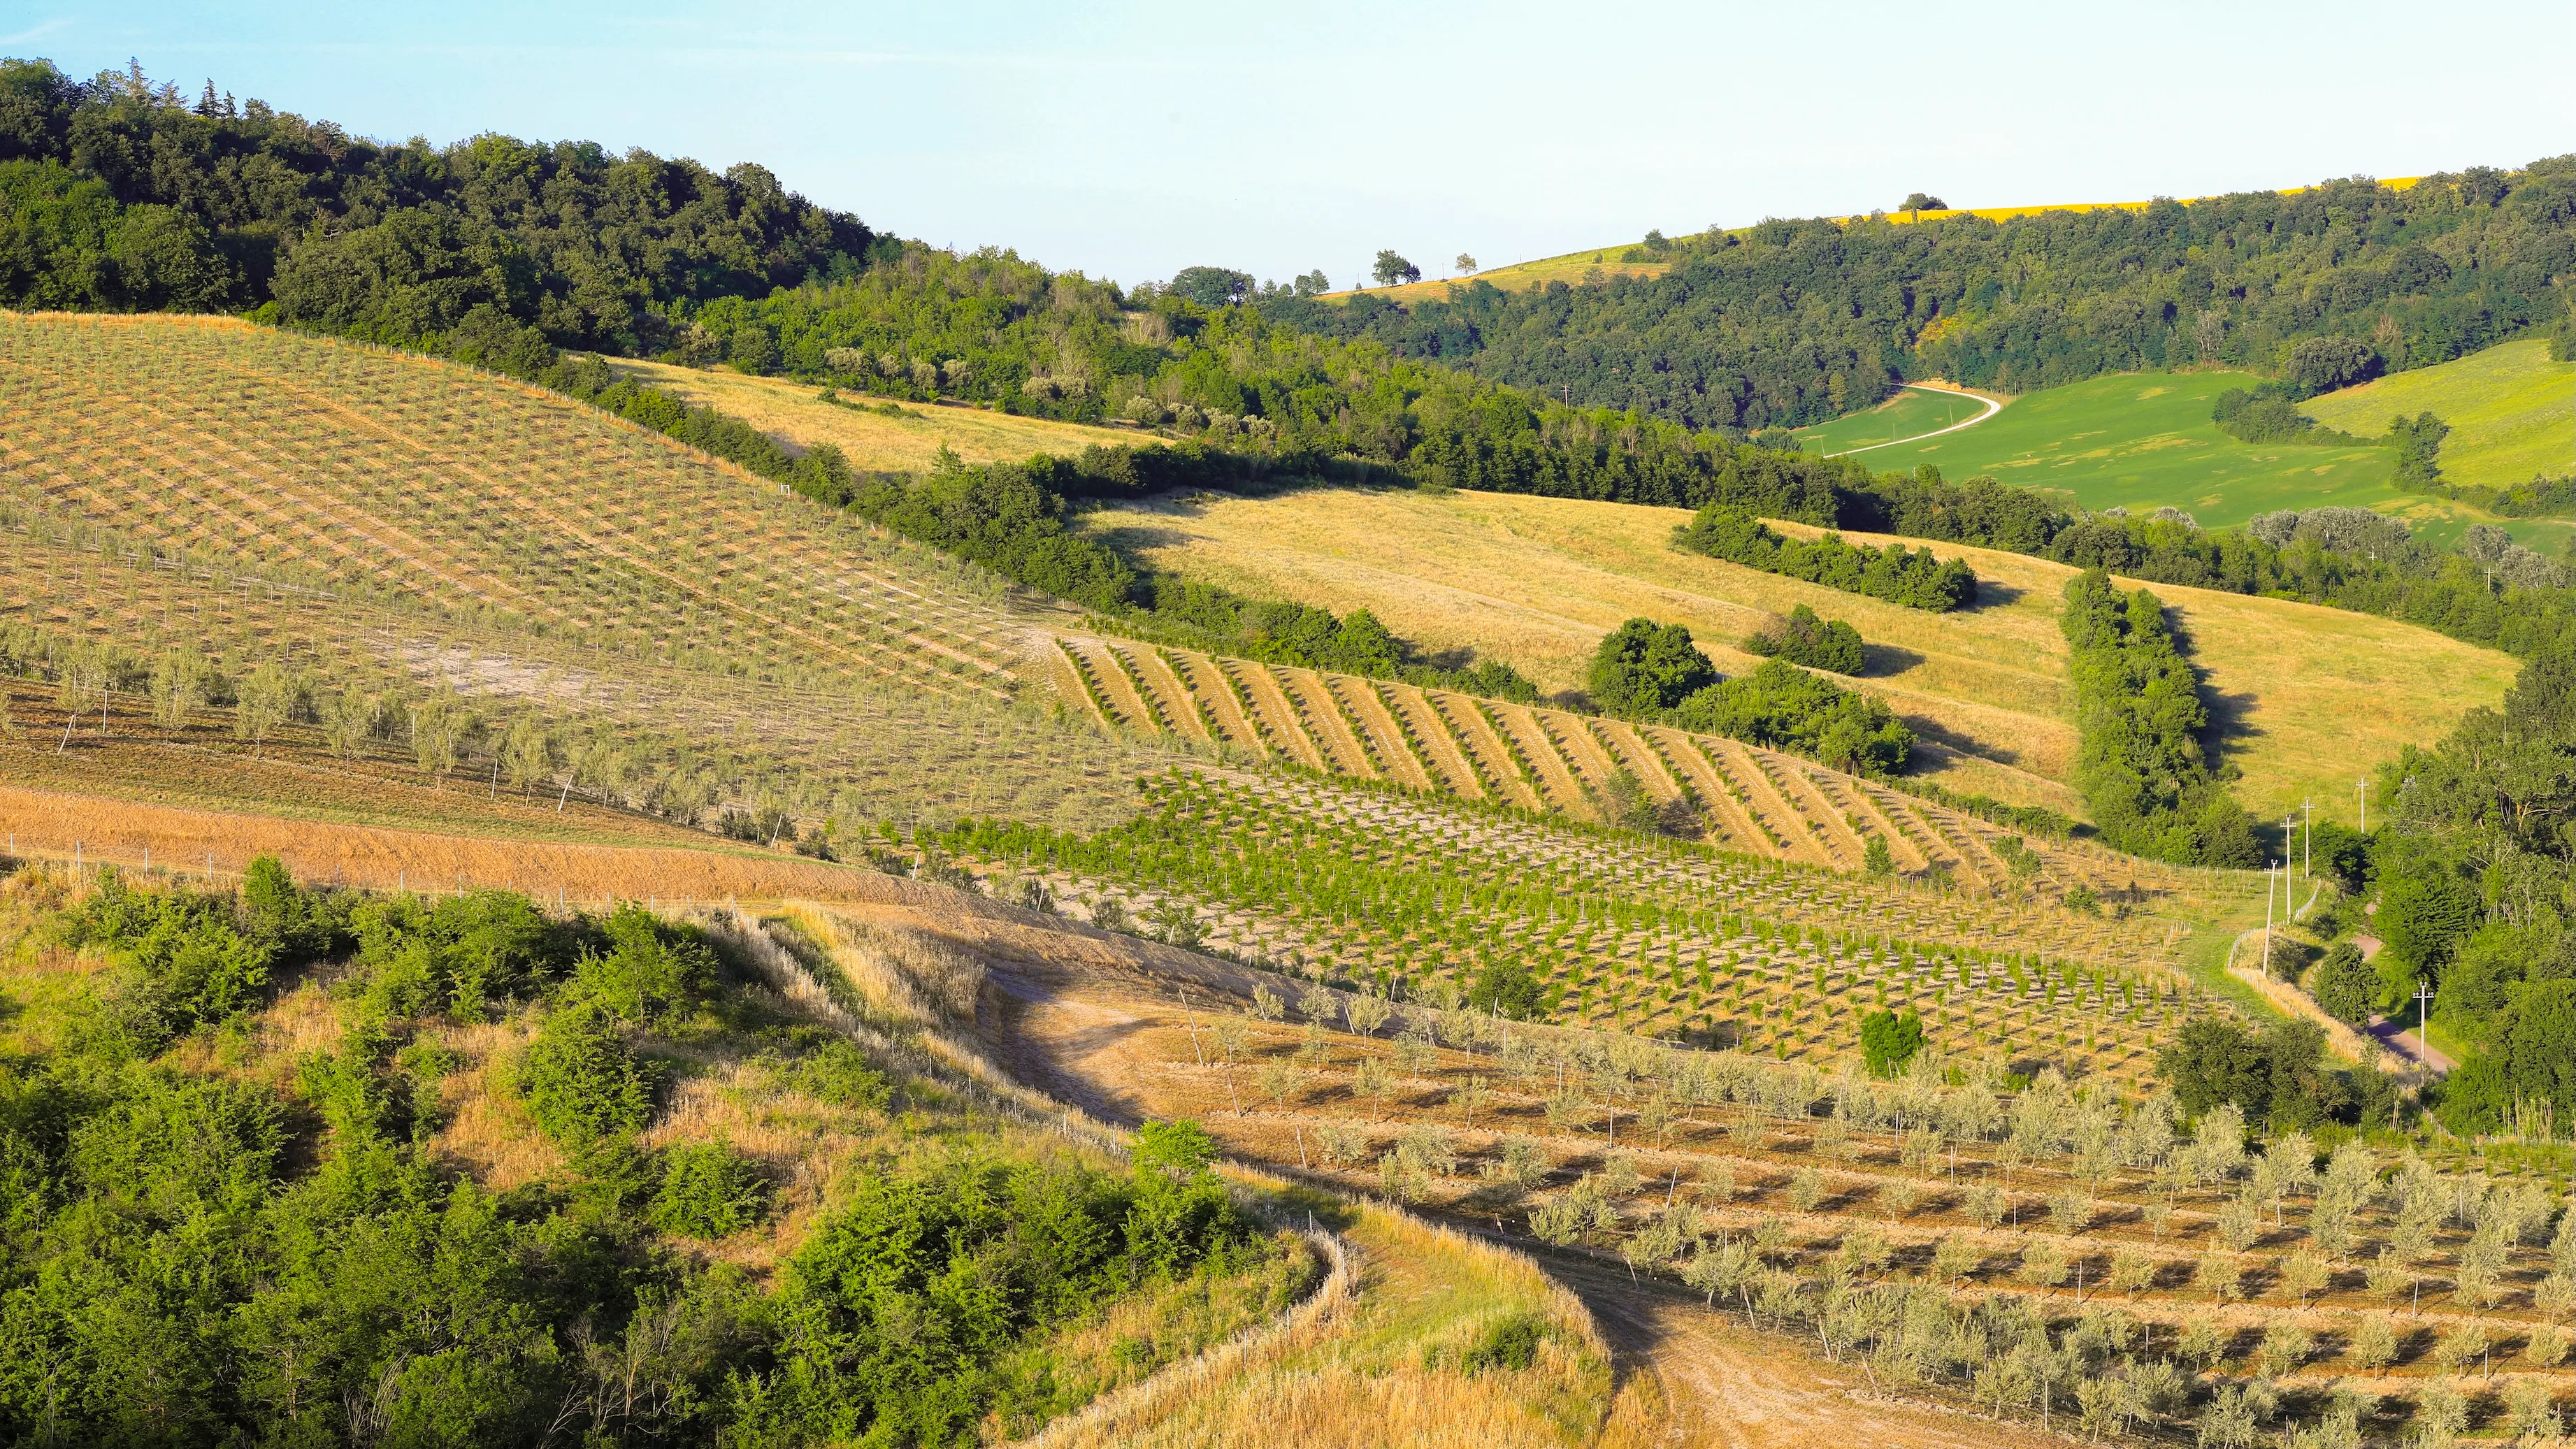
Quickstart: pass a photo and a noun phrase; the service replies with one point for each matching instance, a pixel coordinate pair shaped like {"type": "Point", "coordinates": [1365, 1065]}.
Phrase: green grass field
{"type": "Point", "coordinates": [2143, 440]}
{"type": "Point", "coordinates": [1913, 412]}
{"type": "Point", "coordinates": [2512, 412]}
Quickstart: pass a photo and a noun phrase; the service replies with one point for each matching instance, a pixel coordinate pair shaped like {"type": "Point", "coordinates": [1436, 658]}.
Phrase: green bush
{"type": "Point", "coordinates": [651, 969]}
{"type": "Point", "coordinates": [583, 1086]}
{"type": "Point", "coordinates": [183, 959]}
{"type": "Point", "coordinates": [1889, 1041]}
{"type": "Point", "coordinates": [1897, 574]}
{"type": "Point", "coordinates": [708, 1191]}
{"type": "Point", "coordinates": [1510, 1342]}
{"type": "Point", "coordinates": [463, 955]}
{"type": "Point", "coordinates": [840, 1074]}
{"type": "Point", "coordinates": [1804, 639]}
{"type": "Point", "coordinates": [1784, 707]}
{"type": "Point", "coordinates": [1642, 669]}
{"type": "Point", "coordinates": [2344, 984]}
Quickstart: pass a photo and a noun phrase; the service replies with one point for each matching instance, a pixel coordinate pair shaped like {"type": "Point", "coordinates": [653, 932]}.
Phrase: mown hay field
{"type": "Point", "coordinates": [2310, 697]}
{"type": "Point", "coordinates": [795, 415]}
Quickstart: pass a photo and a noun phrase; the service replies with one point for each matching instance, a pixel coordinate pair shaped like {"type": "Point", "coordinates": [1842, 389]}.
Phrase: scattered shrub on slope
{"type": "Point", "coordinates": [1828, 644]}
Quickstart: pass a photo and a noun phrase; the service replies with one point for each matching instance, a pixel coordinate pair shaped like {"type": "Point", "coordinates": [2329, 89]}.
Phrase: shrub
{"type": "Point", "coordinates": [2345, 985]}
{"type": "Point", "coordinates": [582, 1085]}
{"type": "Point", "coordinates": [1510, 1343]}
{"type": "Point", "coordinates": [1827, 644]}
{"type": "Point", "coordinates": [1642, 669]}
{"type": "Point", "coordinates": [1784, 707]}
{"type": "Point", "coordinates": [839, 1073]}
{"type": "Point", "coordinates": [1889, 1041]}
{"type": "Point", "coordinates": [708, 1191]}
{"type": "Point", "coordinates": [651, 970]}
{"type": "Point", "coordinates": [1897, 574]}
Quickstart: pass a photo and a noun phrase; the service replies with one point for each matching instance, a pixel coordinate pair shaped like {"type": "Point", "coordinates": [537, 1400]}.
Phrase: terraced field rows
{"type": "Point", "coordinates": [1332, 882]}
{"type": "Point", "coordinates": [2208, 1268]}
{"type": "Point", "coordinates": [402, 528]}
{"type": "Point", "coordinates": [1756, 801]}
{"type": "Point", "coordinates": [359, 469]}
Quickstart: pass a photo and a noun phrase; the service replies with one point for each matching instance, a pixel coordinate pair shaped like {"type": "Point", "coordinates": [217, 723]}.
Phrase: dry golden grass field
{"type": "Point", "coordinates": [2310, 697]}
{"type": "Point", "coordinates": [794, 414]}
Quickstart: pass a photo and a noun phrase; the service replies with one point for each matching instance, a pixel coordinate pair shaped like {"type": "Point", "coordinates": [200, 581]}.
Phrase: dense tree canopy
{"type": "Point", "coordinates": [2142, 765]}
{"type": "Point", "coordinates": [120, 196]}
{"type": "Point", "coordinates": [1793, 322]}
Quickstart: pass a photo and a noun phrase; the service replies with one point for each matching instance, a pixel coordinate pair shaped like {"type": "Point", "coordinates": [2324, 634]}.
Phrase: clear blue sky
{"type": "Point", "coordinates": [1131, 139]}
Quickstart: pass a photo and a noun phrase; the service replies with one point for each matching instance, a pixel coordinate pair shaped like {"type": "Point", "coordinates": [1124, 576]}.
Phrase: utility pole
{"type": "Point", "coordinates": [2308, 839]}
{"type": "Point", "coordinates": [2267, 921]}
{"type": "Point", "coordinates": [2289, 855]}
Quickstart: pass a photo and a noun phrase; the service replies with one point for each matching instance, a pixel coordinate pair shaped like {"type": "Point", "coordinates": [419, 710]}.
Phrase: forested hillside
{"type": "Point", "coordinates": [124, 196]}
{"type": "Point", "coordinates": [1794, 322]}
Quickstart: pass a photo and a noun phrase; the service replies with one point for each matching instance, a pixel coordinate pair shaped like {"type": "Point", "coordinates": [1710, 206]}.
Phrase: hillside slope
{"type": "Point", "coordinates": [1636, 259]}
{"type": "Point", "coordinates": [2512, 412]}
{"type": "Point", "coordinates": [906, 440]}
{"type": "Point", "coordinates": [398, 535]}
{"type": "Point", "coordinates": [2309, 697]}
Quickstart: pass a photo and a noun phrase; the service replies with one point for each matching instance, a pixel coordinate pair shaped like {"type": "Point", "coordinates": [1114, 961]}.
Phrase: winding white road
{"type": "Point", "coordinates": [1992, 407]}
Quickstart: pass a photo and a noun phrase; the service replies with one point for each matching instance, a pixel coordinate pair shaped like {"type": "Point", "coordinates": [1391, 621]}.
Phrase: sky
{"type": "Point", "coordinates": [1128, 140]}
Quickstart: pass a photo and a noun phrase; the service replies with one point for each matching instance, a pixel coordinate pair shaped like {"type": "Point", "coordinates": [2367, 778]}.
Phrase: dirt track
{"type": "Point", "coordinates": [1086, 1041]}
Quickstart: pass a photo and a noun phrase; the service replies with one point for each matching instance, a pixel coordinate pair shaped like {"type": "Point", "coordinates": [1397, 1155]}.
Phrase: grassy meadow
{"type": "Point", "coordinates": [2142, 441]}
{"type": "Point", "coordinates": [2312, 696]}
{"type": "Point", "coordinates": [1913, 412]}
{"type": "Point", "coordinates": [794, 413]}
{"type": "Point", "coordinates": [2512, 412]}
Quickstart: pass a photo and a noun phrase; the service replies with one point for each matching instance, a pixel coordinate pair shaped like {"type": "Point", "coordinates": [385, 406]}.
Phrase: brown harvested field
{"type": "Point", "coordinates": [2309, 697]}
{"type": "Point", "coordinates": [794, 414]}
{"type": "Point", "coordinates": [507, 853]}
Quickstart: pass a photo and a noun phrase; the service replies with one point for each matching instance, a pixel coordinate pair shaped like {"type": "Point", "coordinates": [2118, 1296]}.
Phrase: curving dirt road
{"type": "Point", "coordinates": [1993, 406]}
{"type": "Point", "coordinates": [1085, 1040]}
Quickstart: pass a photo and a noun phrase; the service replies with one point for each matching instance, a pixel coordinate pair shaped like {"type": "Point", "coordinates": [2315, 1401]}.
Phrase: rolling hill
{"type": "Point", "coordinates": [2140, 441]}
{"type": "Point", "coordinates": [1916, 410]}
{"type": "Point", "coordinates": [402, 535]}
{"type": "Point", "coordinates": [906, 439]}
{"type": "Point", "coordinates": [2512, 412]}
{"type": "Point", "coordinates": [872, 1001]}
{"type": "Point", "coordinates": [2311, 696]}
{"type": "Point", "coordinates": [1633, 259]}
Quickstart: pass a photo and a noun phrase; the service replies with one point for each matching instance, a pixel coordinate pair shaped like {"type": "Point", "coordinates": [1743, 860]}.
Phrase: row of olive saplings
{"type": "Point", "coordinates": [1925, 962]}
{"type": "Point", "coordinates": [230, 571]}
{"type": "Point", "coordinates": [441, 729]}
{"type": "Point", "coordinates": [2044, 979]}
{"type": "Point", "coordinates": [1759, 1270]}
{"type": "Point", "coordinates": [2092, 1137]}
{"type": "Point", "coordinates": [1844, 1283]}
